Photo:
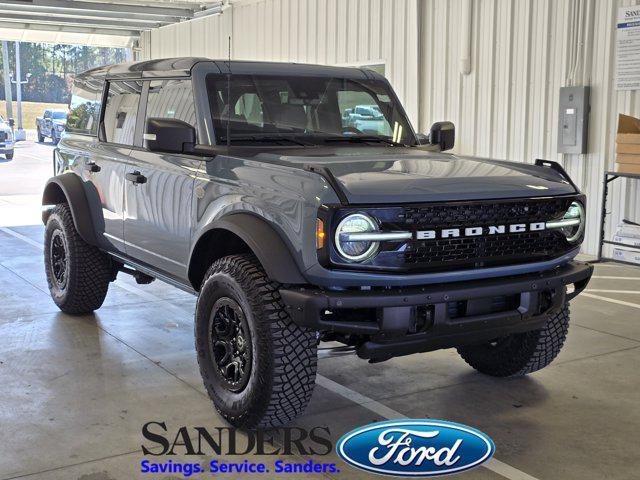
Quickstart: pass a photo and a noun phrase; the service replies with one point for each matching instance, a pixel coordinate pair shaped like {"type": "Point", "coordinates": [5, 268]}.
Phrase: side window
{"type": "Point", "coordinates": [84, 109]}
{"type": "Point", "coordinates": [121, 111]}
{"type": "Point", "coordinates": [171, 99]}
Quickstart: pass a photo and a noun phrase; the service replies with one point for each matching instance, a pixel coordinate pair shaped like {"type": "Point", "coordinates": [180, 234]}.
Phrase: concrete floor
{"type": "Point", "coordinates": [75, 391]}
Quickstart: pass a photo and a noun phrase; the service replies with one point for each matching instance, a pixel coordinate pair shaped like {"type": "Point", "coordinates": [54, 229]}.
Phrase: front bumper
{"type": "Point", "coordinates": [6, 147]}
{"type": "Point", "coordinates": [408, 320]}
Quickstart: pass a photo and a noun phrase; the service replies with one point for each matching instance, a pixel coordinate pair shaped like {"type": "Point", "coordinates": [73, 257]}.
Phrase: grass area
{"type": "Point", "coordinates": [30, 110]}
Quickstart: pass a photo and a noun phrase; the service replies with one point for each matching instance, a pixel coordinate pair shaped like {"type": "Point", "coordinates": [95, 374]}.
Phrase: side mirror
{"type": "Point", "coordinates": [12, 122]}
{"type": "Point", "coordinates": [443, 134]}
{"type": "Point", "coordinates": [169, 135]}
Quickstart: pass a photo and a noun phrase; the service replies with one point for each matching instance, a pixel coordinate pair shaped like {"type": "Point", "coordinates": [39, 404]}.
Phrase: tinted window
{"type": "Point", "coordinates": [121, 111]}
{"type": "Point", "coordinates": [259, 108]}
{"type": "Point", "coordinates": [171, 99]}
{"type": "Point", "coordinates": [84, 109]}
{"type": "Point", "coordinates": [59, 115]}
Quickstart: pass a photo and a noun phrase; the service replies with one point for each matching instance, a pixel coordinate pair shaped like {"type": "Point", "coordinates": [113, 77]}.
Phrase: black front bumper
{"type": "Point", "coordinates": [400, 321]}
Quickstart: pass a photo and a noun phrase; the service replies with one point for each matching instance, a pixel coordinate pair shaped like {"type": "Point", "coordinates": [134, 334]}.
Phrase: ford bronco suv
{"type": "Point", "coordinates": [242, 183]}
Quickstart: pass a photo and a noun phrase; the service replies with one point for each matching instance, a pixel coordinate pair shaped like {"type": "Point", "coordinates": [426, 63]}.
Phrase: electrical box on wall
{"type": "Point", "coordinates": [573, 121]}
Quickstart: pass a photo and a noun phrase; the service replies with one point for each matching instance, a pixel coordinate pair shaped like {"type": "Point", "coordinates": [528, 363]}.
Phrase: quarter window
{"type": "Point", "coordinates": [171, 99]}
{"type": "Point", "coordinates": [121, 111]}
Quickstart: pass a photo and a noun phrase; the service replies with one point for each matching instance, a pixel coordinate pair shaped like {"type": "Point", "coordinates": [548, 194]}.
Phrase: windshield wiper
{"type": "Point", "coordinates": [364, 139]}
{"type": "Point", "coordinates": [262, 139]}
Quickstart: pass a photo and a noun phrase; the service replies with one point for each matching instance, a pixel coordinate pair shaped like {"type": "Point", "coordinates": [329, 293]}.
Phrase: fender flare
{"type": "Point", "coordinates": [265, 242]}
{"type": "Point", "coordinates": [68, 188]}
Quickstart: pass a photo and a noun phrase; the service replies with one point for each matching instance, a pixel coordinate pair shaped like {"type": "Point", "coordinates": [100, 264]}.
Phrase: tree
{"type": "Point", "coordinates": [51, 66]}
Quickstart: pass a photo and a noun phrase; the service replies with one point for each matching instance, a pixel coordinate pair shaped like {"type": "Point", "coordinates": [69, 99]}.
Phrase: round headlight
{"type": "Point", "coordinates": [355, 251]}
{"type": "Point", "coordinates": [575, 215]}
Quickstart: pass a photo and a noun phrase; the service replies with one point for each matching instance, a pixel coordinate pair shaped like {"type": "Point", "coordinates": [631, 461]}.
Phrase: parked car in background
{"type": "Point", "coordinates": [366, 119]}
{"type": "Point", "coordinates": [6, 138]}
{"type": "Point", "coordinates": [51, 125]}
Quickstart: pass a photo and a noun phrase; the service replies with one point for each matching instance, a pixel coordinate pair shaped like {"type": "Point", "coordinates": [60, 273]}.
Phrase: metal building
{"type": "Point", "coordinates": [493, 67]}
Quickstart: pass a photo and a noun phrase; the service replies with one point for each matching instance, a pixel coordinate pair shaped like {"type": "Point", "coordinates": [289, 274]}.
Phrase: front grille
{"type": "Point", "coordinates": [464, 214]}
{"type": "Point", "coordinates": [482, 251]}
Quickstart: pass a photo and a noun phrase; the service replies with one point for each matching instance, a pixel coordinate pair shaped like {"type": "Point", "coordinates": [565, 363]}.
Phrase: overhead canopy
{"type": "Point", "coordinates": [105, 23]}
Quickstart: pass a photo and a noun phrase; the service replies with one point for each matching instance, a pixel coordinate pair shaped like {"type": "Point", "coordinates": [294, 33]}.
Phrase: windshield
{"type": "Point", "coordinates": [59, 115]}
{"type": "Point", "coordinates": [305, 110]}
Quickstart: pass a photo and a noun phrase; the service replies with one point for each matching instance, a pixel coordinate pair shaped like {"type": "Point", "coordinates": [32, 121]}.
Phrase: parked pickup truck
{"type": "Point", "coordinates": [243, 183]}
{"type": "Point", "coordinates": [7, 140]}
{"type": "Point", "coordinates": [51, 125]}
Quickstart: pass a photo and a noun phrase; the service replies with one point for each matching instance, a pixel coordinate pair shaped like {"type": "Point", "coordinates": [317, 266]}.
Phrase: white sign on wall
{"type": "Point", "coordinates": [628, 48]}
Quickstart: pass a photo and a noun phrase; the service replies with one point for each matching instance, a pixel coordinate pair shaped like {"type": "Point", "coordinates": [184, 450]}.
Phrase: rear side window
{"type": "Point", "coordinates": [121, 111]}
{"type": "Point", "coordinates": [84, 109]}
{"type": "Point", "coordinates": [171, 99]}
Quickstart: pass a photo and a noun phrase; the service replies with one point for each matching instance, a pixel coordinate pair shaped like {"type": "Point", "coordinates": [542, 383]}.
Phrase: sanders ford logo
{"type": "Point", "coordinates": [420, 448]}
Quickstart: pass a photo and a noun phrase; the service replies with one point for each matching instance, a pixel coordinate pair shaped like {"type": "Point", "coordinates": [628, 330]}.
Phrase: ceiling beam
{"type": "Point", "coordinates": [115, 24]}
{"type": "Point", "coordinates": [70, 29]}
{"type": "Point", "coordinates": [124, 9]}
{"type": "Point", "coordinates": [30, 9]}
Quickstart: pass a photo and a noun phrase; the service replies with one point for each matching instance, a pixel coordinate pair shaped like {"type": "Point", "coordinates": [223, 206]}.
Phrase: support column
{"type": "Point", "coordinates": [8, 94]}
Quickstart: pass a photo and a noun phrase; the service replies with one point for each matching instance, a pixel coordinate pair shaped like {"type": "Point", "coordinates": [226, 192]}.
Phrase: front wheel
{"type": "Point", "coordinates": [40, 136]}
{"type": "Point", "coordinates": [258, 366]}
{"type": "Point", "coordinates": [9, 155]}
{"type": "Point", "coordinates": [520, 353]}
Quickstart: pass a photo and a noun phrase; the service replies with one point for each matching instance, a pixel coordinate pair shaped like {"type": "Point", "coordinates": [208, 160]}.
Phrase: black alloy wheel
{"type": "Point", "coordinates": [59, 262]}
{"type": "Point", "coordinates": [230, 344]}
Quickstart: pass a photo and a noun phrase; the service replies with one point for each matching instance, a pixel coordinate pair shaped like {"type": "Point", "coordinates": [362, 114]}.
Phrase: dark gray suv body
{"type": "Point", "coordinates": [240, 182]}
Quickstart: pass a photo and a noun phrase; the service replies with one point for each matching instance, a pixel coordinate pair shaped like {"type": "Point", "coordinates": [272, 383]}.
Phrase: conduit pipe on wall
{"type": "Point", "coordinates": [465, 41]}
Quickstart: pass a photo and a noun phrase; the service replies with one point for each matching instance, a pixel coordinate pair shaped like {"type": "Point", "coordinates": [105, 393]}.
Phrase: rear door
{"type": "Point", "coordinates": [159, 212]}
{"type": "Point", "coordinates": [107, 163]}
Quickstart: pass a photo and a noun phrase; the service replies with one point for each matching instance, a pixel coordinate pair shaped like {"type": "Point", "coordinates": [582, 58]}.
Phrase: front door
{"type": "Point", "coordinates": [159, 188]}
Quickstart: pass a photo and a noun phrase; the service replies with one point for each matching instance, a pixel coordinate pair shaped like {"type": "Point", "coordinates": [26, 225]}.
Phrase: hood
{"type": "Point", "coordinates": [62, 122]}
{"type": "Point", "coordinates": [408, 175]}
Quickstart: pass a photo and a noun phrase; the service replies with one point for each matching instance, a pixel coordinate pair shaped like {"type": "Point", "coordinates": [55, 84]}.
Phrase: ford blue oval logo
{"type": "Point", "coordinates": [420, 448]}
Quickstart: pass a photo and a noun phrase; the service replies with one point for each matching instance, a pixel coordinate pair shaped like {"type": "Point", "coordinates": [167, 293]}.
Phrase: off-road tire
{"type": "Point", "coordinates": [89, 270]}
{"type": "Point", "coordinates": [520, 353]}
{"type": "Point", "coordinates": [9, 156]}
{"type": "Point", "coordinates": [40, 136]}
{"type": "Point", "coordinates": [283, 357]}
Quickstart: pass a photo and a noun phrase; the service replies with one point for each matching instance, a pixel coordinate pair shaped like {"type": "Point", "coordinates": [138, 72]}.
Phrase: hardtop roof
{"type": "Point", "coordinates": [182, 66]}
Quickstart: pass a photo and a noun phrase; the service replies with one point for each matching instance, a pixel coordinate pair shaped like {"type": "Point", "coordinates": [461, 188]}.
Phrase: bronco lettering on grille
{"type": "Point", "coordinates": [479, 231]}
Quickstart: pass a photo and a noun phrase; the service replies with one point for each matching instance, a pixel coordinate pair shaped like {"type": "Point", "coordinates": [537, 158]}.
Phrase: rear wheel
{"type": "Point", "coordinates": [78, 274]}
{"type": "Point", "coordinates": [258, 366]}
{"type": "Point", "coordinates": [520, 353]}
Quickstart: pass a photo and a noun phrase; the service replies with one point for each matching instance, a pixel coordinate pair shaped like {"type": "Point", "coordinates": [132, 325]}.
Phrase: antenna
{"type": "Point", "coordinates": [229, 96]}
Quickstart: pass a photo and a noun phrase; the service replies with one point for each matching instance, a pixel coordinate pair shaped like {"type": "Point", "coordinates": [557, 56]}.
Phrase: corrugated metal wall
{"type": "Point", "coordinates": [310, 31]}
{"type": "Point", "coordinates": [522, 52]}
{"type": "Point", "coordinates": [507, 107]}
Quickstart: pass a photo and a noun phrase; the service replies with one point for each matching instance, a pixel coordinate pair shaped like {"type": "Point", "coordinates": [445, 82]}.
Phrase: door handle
{"type": "Point", "coordinates": [136, 177]}
{"type": "Point", "coordinates": [92, 167]}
